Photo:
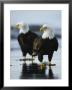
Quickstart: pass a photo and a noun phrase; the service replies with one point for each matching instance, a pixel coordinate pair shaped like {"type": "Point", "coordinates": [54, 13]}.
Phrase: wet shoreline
{"type": "Point", "coordinates": [18, 69]}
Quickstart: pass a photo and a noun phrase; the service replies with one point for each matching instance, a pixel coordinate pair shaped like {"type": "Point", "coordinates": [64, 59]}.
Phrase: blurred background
{"type": "Point", "coordinates": [34, 18]}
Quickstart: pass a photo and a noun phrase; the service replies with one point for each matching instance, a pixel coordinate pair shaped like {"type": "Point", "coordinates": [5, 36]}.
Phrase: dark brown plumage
{"type": "Point", "coordinates": [26, 42]}
{"type": "Point", "coordinates": [45, 47]}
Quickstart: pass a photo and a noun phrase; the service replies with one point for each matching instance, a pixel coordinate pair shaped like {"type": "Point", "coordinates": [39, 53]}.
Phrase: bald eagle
{"type": "Point", "coordinates": [46, 44]}
{"type": "Point", "coordinates": [25, 38]}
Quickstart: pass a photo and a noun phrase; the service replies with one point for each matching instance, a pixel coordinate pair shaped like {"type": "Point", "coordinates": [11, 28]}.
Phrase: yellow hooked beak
{"type": "Point", "coordinates": [42, 29]}
{"type": "Point", "coordinates": [17, 26]}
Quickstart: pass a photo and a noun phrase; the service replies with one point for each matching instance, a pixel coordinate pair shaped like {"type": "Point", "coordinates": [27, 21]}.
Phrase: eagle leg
{"type": "Point", "coordinates": [42, 65]}
{"type": "Point", "coordinates": [50, 55]}
{"type": "Point", "coordinates": [40, 57]}
{"type": "Point", "coordinates": [32, 59]}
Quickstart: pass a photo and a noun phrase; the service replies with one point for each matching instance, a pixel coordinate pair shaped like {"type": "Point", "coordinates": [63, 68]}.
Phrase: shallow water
{"type": "Point", "coordinates": [20, 70]}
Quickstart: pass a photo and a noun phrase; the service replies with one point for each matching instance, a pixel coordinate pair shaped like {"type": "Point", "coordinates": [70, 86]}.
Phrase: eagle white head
{"type": "Point", "coordinates": [47, 32]}
{"type": "Point", "coordinates": [22, 27]}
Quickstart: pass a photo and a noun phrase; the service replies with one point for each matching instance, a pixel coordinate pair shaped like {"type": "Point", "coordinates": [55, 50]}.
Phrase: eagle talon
{"type": "Point", "coordinates": [42, 66]}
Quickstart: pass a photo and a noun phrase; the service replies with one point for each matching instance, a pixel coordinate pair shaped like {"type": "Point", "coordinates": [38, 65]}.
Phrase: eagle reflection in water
{"type": "Point", "coordinates": [33, 71]}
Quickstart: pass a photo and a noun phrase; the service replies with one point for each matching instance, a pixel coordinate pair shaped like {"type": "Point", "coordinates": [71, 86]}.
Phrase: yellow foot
{"type": "Point", "coordinates": [42, 66]}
